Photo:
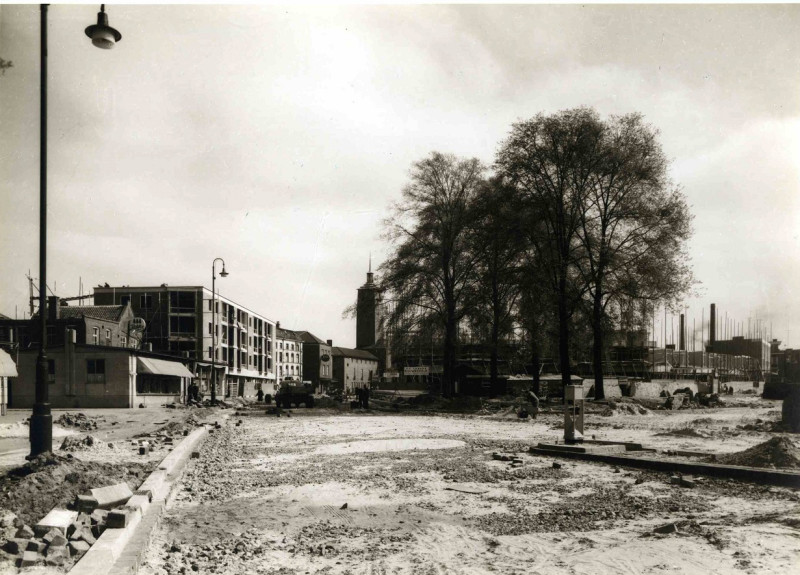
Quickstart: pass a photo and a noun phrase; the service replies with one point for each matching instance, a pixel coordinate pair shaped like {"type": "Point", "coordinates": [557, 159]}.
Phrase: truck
{"type": "Point", "coordinates": [292, 392]}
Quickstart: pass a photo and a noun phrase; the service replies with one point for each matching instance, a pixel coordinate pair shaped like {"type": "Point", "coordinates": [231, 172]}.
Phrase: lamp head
{"type": "Point", "coordinates": [102, 35]}
{"type": "Point", "coordinates": [223, 273]}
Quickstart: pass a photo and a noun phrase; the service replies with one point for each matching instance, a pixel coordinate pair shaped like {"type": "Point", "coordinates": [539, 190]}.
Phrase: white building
{"type": "Point", "coordinates": [289, 355]}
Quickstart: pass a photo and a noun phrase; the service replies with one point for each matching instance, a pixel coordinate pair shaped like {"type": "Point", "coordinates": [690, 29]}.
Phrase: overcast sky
{"type": "Point", "coordinates": [277, 138]}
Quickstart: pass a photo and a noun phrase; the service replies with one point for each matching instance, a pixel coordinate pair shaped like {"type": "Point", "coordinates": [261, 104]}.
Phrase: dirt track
{"type": "Point", "coordinates": [423, 495]}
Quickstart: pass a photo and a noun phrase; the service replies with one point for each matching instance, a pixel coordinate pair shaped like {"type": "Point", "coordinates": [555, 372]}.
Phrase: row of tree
{"type": "Point", "coordinates": [575, 224]}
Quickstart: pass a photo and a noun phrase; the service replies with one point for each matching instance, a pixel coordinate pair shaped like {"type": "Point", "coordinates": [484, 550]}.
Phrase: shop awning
{"type": "Point", "coordinates": [7, 366]}
{"type": "Point", "coordinates": [162, 367]}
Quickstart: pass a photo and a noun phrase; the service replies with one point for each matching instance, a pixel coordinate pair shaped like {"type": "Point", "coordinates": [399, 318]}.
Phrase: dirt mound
{"type": "Point", "coordinates": [626, 408]}
{"type": "Point", "coordinates": [78, 420]}
{"type": "Point", "coordinates": [53, 480]}
{"type": "Point", "coordinates": [777, 452]}
{"type": "Point", "coordinates": [84, 443]}
{"type": "Point", "coordinates": [685, 432]}
{"type": "Point", "coordinates": [177, 427]}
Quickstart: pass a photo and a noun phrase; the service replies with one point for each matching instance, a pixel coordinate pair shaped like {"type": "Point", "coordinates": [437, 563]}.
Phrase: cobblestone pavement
{"type": "Point", "coordinates": [373, 494]}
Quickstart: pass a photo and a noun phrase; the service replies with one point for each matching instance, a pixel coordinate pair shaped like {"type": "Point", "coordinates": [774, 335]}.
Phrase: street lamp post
{"type": "Point", "coordinates": [41, 425]}
{"type": "Point", "coordinates": [223, 274]}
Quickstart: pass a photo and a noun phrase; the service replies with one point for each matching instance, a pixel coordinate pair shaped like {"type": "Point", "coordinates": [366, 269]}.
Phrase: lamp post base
{"type": "Point", "coordinates": [41, 430]}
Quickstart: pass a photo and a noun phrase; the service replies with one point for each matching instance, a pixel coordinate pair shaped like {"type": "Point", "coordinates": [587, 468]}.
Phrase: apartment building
{"type": "Point", "coordinates": [181, 321]}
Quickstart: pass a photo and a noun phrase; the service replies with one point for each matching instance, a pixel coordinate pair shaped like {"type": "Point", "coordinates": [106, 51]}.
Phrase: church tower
{"type": "Point", "coordinates": [369, 321]}
{"type": "Point", "coordinates": [368, 312]}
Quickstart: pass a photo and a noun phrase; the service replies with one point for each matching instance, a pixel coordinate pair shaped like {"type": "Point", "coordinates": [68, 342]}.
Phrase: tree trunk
{"type": "Point", "coordinates": [563, 330]}
{"type": "Point", "coordinates": [537, 363]}
{"type": "Point", "coordinates": [597, 344]}
{"type": "Point", "coordinates": [448, 379]}
{"type": "Point", "coordinates": [495, 337]}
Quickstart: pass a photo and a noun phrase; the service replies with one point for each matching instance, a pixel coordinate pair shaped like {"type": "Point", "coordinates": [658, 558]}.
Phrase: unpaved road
{"type": "Point", "coordinates": [423, 495]}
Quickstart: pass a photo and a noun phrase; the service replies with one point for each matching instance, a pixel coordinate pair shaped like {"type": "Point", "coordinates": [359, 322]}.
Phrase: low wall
{"type": "Point", "coordinates": [740, 386]}
{"type": "Point", "coordinates": [156, 400]}
{"type": "Point", "coordinates": [611, 388]}
{"type": "Point", "coordinates": [652, 389]}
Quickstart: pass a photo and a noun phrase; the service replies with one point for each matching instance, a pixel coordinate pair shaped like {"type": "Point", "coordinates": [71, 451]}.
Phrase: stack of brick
{"type": "Point", "coordinates": [46, 543]}
{"type": "Point", "coordinates": [63, 536]}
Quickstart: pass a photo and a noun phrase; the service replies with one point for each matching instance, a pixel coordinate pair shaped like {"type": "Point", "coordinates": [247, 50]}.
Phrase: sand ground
{"type": "Point", "coordinates": [380, 494]}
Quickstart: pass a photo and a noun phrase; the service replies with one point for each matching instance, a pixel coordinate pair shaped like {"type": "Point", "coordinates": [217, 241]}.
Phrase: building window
{"type": "Point", "coordinates": [210, 329]}
{"type": "Point", "coordinates": [96, 335]}
{"type": "Point", "coordinates": [181, 325]}
{"type": "Point", "coordinates": [95, 371]}
{"type": "Point", "coordinates": [51, 370]}
{"type": "Point", "coordinates": [108, 336]}
{"type": "Point", "coordinates": [146, 301]}
{"type": "Point", "coordinates": [123, 341]}
{"type": "Point", "coordinates": [124, 300]}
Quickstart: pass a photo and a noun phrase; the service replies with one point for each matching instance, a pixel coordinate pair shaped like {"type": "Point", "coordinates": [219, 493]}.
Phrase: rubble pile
{"type": "Point", "coordinates": [778, 452]}
{"type": "Point", "coordinates": [77, 420]}
{"type": "Point", "coordinates": [73, 443]}
{"type": "Point", "coordinates": [624, 408]}
{"type": "Point", "coordinates": [586, 513]}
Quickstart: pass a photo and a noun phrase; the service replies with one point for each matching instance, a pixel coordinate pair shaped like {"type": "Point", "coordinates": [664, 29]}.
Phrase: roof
{"type": "Point", "coordinates": [286, 334]}
{"type": "Point", "coordinates": [4, 316]}
{"type": "Point", "coordinates": [162, 367]}
{"type": "Point", "coordinates": [106, 312]}
{"type": "Point", "coordinates": [7, 366]}
{"type": "Point", "coordinates": [308, 337]}
{"type": "Point", "coordinates": [354, 353]}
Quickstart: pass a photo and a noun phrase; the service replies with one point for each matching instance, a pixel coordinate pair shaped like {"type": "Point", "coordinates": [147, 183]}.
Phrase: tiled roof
{"type": "Point", "coordinates": [287, 334]}
{"type": "Point", "coordinates": [308, 337]}
{"type": "Point", "coordinates": [104, 312]}
{"type": "Point", "coordinates": [354, 353]}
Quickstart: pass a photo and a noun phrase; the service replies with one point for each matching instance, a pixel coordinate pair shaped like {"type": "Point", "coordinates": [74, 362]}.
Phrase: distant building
{"type": "Point", "coordinates": [289, 350]}
{"type": "Point", "coordinates": [180, 321]}
{"type": "Point", "coordinates": [106, 325]}
{"type": "Point", "coordinates": [317, 360]}
{"type": "Point", "coordinates": [369, 322]}
{"type": "Point", "coordinates": [353, 368]}
{"type": "Point", "coordinates": [756, 348]}
{"type": "Point", "coordinates": [88, 375]}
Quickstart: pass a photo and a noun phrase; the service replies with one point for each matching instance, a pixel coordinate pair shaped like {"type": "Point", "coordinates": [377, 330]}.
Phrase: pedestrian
{"type": "Point", "coordinates": [365, 396]}
{"type": "Point", "coordinates": [260, 395]}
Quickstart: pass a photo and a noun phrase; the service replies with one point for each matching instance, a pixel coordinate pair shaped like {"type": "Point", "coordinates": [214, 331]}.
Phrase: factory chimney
{"type": "Point", "coordinates": [712, 326]}
{"type": "Point", "coordinates": [682, 338]}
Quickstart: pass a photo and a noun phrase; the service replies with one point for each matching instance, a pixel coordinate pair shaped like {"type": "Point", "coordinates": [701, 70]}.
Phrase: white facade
{"type": "Point", "coordinates": [288, 356]}
{"type": "Point", "coordinates": [244, 346]}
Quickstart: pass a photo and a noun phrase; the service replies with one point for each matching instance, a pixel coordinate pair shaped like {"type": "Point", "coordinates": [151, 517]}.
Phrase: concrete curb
{"type": "Point", "coordinates": [112, 552]}
{"type": "Point", "coordinates": [754, 474]}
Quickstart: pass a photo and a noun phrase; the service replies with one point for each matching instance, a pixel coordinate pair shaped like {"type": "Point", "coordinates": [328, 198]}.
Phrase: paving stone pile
{"type": "Point", "coordinates": [73, 443]}
{"type": "Point", "coordinates": [55, 546]}
{"type": "Point", "coordinates": [79, 421]}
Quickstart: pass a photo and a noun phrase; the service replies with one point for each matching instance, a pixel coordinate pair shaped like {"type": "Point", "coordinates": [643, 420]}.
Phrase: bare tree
{"type": "Point", "coordinates": [628, 214]}
{"type": "Point", "coordinates": [431, 273]}
{"type": "Point", "coordinates": [551, 160]}
{"type": "Point", "coordinates": [499, 242]}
